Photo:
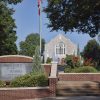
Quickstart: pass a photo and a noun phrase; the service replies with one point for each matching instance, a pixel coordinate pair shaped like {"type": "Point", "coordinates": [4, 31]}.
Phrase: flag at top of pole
{"type": "Point", "coordinates": [39, 4]}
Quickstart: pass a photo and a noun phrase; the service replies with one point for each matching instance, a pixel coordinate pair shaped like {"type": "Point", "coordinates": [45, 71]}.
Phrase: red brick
{"type": "Point", "coordinates": [15, 59]}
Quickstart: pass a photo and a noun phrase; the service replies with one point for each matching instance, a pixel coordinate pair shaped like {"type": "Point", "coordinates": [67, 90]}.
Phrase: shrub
{"type": "Point", "coordinates": [42, 80]}
{"type": "Point", "coordinates": [88, 62]}
{"type": "Point", "coordinates": [49, 60]}
{"type": "Point", "coordinates": [98, 68]}
{"type": "Point", "coordinates": [72, 61]}
{"type": "Point", "coordinates": [37, 68]}
{"type": "Point", "coordinates": [68, 60]}
{"type": "Point", "coordinates": [30, 80]}
{"type": "Point", "coordinates": [76, 61]}
{"type": "Point", "coordinates": [86, 69]}
{"type": "Point", "coordinates": [67, 69]}
{"type": "Point", "coordinates": [2, 84]}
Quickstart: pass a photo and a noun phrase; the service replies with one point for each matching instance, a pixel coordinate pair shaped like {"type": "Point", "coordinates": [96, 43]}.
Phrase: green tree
{"type": "Point", "coordinates": [28, 46]}
{"type": "Point", "coordinates": [99, 38]}
{"type": "Point", "coordinates": [37, 68]}
{"type": "Point", "coordinates": [74, 15]}
{"type": "Point", "coordinates": [7, 30]}
{"type": "Point", "coordinates": [92, 50]}
{"type": "Point", "coordinates": [11, 1]}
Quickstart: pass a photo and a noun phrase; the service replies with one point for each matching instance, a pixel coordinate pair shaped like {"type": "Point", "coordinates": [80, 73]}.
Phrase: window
{"type": "Point", "coordinates": [60, 48]}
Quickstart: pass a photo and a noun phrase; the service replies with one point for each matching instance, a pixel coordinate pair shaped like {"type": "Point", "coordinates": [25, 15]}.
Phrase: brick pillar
{"type": "Point", "coordinates": [52, 86]}
{"type": "Point", "coordinates": [53, 79]}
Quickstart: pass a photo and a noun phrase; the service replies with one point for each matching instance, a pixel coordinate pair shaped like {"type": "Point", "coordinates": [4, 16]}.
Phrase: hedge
{"type": "Point", "coordinates": [84, 69]}
{"type": "Point", "coordinates": [30, 80]}
{"type": "Point", "coordinates": [2, 84]}
{"type": "Point", "coordinates": [49, 60]}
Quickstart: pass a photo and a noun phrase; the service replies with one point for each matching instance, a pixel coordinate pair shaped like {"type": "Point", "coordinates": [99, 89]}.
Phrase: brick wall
{"type": "Point", "coordinates": [79, 77]}
{"type": "Point", "coordinates": [25, 93]}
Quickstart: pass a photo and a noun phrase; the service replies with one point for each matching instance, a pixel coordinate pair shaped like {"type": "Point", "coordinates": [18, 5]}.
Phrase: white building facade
{"type": "Point", "coordinates": [59, 47]}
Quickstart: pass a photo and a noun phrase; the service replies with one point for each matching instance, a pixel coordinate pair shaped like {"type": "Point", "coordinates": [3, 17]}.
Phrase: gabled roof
{"type": "Point", "coordinates": [58, 36]}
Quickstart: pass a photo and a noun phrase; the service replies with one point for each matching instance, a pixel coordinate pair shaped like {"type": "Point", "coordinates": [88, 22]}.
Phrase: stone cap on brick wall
{"type": "Point", "coordinates": [15, 59]}
{"type": "Point", "coordinates": [24, 88]}
{"type": "Point", "coordinates": [62, 73]}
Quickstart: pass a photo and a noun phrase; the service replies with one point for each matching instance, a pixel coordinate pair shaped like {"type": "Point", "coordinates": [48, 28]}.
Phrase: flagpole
{"type": "Point", "coordinates": [40, 31]}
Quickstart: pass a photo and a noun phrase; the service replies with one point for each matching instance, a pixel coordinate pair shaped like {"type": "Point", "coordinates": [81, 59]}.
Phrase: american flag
{"type": "Point", "coordinates": [39, 4]}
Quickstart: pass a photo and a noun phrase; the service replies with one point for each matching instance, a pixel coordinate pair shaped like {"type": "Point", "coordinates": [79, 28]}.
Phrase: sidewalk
{"type": "Point", "coordinates": [69, 98]}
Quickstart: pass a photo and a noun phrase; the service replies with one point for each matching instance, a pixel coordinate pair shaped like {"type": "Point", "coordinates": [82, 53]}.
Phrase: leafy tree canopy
{"type": "Point", "coordinates": [7, 31]}
{"type": "Point", "coordinates": [28, 46]}
{"type": "Point", "coordinates": [74, 15]}
{"type": "Point", "coordinates": [11, 1]}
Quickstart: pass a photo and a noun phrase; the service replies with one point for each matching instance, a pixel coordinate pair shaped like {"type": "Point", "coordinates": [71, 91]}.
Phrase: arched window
{"type": "Point", "coordinates": [60, 48]}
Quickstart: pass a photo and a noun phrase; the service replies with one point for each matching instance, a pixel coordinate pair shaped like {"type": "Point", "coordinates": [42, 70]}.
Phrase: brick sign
{"type": "Point", "coordinates": [13, 65]}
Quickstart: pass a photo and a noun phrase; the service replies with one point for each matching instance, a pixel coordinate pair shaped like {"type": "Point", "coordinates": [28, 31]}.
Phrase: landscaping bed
{"type": "Point", "coordinates": [28, 80]}
{"type": "Point", "coordinates": [74, 64]}
{"type": "Point", "coordinates": [82, 69]}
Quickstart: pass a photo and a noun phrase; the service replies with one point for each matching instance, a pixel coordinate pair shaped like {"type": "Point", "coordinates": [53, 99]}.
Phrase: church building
{"type": "Point", "coordinates": [59, 47]}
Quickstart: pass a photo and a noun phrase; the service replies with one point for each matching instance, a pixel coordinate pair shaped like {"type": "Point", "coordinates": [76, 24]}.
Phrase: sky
{"type": "Point", "coordinates": [27, 22]}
